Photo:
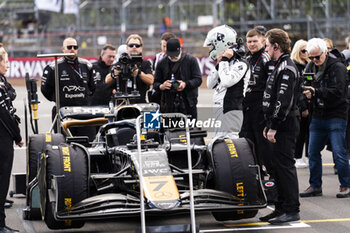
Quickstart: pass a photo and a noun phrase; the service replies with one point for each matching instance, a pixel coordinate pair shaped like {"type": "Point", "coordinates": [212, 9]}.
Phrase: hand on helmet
{"type": "Point", "coordinates": [228, 53]}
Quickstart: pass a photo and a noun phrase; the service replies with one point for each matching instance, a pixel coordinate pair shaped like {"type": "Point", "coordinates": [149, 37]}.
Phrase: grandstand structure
{"type": "Point", "coordinates": [25, 30]}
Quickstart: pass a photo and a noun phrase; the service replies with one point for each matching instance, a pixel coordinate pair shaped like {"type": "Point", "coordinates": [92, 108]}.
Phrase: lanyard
{"type": "Point", "coordinates": [253, 67]}
{"type": "Point", "coordinates": [278, 62]}
{"type": "Point", "coordinates": [78, 72]}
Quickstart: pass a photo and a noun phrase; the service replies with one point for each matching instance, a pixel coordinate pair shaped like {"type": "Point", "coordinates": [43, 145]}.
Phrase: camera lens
{"type": "Point", "coordinates": [175, 84]}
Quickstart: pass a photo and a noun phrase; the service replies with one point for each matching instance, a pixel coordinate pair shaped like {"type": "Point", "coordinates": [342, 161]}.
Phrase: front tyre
{"type": "Point", "coordinates": [69, 163]}
{"type": "Point", "coordinates": [232, 160]}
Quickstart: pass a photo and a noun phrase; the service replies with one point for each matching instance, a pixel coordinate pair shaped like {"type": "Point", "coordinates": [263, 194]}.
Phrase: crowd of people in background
{"type": "Point", "coordinates": [285, 103]}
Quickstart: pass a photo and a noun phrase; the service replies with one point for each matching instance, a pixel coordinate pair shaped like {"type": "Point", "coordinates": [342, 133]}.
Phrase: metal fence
{"type": "Point", "coordinates": [26, 31]}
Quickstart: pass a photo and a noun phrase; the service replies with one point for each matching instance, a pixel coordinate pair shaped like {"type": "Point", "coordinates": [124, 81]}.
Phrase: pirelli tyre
{"type": "Point", "coordinates": [36, 145]}
{"type": "Point", "coordinates": [69, 164]}
{"type": "Point", "coordinates": [233, 173]}
{"type": "Point", "coordinates": [178, 135]}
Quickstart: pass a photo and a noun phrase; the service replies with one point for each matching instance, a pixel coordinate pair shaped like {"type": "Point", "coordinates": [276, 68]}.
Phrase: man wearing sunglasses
{"type": "Point", "coordinates": [76, 82]}
{"type": "Point", "coordinates": [328, 94]}
{"type": "Point", "coordinates": [142, 71]}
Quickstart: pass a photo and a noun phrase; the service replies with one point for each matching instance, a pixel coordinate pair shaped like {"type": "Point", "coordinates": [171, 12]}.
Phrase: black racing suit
{"type": "Point", "coordinates": [282, 115]}
{"type": "Point", "coordinates": [103, 91]}
{"type": "Point", "coordinates": [9, 132]}
{"type": "Point", "coordinates": [76, 83]}
{"type": "Point", "coordinates": [253, 117]}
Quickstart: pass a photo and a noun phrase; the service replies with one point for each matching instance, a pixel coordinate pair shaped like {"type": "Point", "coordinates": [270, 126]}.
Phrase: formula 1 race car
{"type": "Point", "coordinates": [70, 180]}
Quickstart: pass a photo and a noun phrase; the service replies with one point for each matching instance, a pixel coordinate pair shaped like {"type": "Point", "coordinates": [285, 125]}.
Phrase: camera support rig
{"type": "Point", "coordinates": [126, 67]}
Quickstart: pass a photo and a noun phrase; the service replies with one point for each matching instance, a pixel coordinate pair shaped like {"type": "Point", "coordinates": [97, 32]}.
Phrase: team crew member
{"type": "Point", "coordinates": [229, 78]}
{"type": "Point", "coordinates": [9, 133]}
{"type": "Point", "coordinates": [143, 72]}
{"type": "Point", "coordinates": [76, 81]}
{"type": "Point", "coordinates": [102, 67]}
{"type": "Point", "coordinates": [253, 116]}
{"type": "Point", "coordinates": [282, 126]}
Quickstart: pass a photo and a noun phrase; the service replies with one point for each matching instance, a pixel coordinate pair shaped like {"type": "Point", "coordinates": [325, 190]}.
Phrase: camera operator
{"type": "Point", "coordinates": [126, 70]}
{"type": "Point", "coordinates": [282, 126]}
{"type": "Point", "coordinates": [178, 77]}
{"type": "Point", "coordinates": [76, 82]}
{"type": "Point", "coordinates": [328, 94]}
{"type": "Point", "coordinates": [103, 92]}
{"type": "Point", "coordinates": [229, 78]}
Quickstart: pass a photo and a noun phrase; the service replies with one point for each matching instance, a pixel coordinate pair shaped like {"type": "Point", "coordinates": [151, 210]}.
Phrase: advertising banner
{"type": "Point", "coordinates": [35, 66]}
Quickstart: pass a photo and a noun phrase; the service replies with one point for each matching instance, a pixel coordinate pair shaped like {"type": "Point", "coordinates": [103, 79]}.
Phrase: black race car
{"type": "Point", "coordinates": [71, 180]}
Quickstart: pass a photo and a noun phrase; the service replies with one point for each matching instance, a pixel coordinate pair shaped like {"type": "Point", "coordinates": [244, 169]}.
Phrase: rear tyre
{"type": "Point", "coordinates": [71, 164]}
{"type": "Point", "coordinates": [231, 160]}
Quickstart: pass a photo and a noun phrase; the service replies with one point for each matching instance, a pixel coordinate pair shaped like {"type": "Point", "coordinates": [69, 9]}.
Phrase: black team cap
{"type": "Point", "coordinates": [173, 47]}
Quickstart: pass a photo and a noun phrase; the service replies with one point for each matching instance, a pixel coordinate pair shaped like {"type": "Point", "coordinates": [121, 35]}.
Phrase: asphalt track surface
{"type": "Point", "coordinates": [318, 214]}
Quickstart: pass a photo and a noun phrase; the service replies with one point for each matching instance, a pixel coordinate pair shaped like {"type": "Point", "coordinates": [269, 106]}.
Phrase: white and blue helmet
{"type": "Point", "coordinates": [219, 39]}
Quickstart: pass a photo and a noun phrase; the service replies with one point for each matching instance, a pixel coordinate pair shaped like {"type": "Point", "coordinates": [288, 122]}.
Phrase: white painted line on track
{"type": "Point", "coordinates": [268, 227]}
{"type": "Point", "coordinates": [27, 225]}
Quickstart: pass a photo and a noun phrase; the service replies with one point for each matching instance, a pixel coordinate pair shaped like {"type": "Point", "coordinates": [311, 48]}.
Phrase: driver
{"type": "Point", "coordinates": [229, 78]}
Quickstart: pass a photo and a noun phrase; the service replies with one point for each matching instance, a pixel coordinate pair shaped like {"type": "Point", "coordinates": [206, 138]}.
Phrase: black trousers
{"type": "Point", "coordinates": [283, 166]}
{"type": "Point", "coordinates": [252, 128]}
{"type": "Point", "coordinates": [6, 161]}
{"type": "Point", "coordinates": [303, 138]}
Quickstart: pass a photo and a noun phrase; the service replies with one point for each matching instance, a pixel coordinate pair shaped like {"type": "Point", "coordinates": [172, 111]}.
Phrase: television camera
{"type": "Point", "coordinates": [126, 66]}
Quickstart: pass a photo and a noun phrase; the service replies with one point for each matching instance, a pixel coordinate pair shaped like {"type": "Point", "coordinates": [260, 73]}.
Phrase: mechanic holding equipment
{"type": "Point", "coordinates": [102, 67]}
{"type": "Point", "coordinates": [229, 78]}
{"type": "Point", "coordinates": [9, 133]}
{"type": "Point", "coordinates": [142, 71]}
{"type": "Point", "coordinates": [328, 94]}
{"type": "Point", "coordinates": [178, 77]}
{"type": "Point", "coordinates": [282, 126]}
{"type": "Point", "coordinates": [77, 82]}
{"type": "Point", "coordinates": [253, 116]}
